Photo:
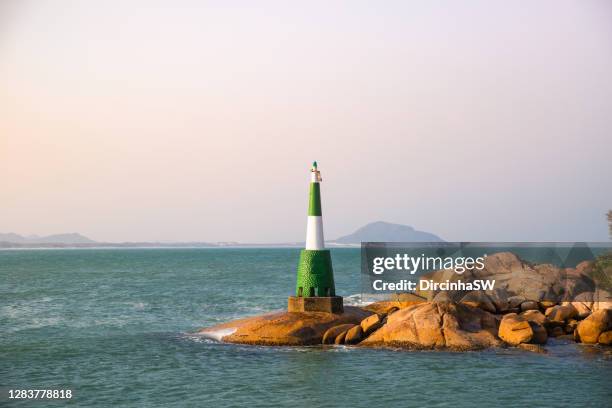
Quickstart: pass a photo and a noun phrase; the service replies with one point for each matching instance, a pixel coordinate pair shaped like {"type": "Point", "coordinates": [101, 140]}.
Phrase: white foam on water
{"type": "Point", "coordinates": [218, 334]}
{"type": "Point", "coordinates": [139, 305]}
{"type": "Point", "coordinates": [357, 300]}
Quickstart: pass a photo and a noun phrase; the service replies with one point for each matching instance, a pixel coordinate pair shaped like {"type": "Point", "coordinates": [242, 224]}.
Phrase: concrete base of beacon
{"type": "Point", "coordinates": [331, 304]}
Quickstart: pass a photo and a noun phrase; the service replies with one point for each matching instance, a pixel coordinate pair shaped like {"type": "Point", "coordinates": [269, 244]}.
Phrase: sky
{"type": "Point", "coordinates": [198, 121]}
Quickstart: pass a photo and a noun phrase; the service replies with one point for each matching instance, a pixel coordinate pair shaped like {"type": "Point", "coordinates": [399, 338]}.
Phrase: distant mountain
{"type": "Point", "coordinates": [70, 238]}
{"type": "Point", "coordinates": [386, 232]}
{"type": "Point", "coordinates": [11, 237]}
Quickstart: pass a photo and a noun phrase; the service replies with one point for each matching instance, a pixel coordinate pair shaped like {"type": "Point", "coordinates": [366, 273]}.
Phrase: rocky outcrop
{"type": "Point", "coordinates": [517, 282]}
{"type": "Point", "coordinates": [437, 326]}
{"type": "Point", "coordinates": [428, 325]}
{"type": "Point", "coordinates": [529, 304]}
{"type": "Point", "coordinates": [284, 328]}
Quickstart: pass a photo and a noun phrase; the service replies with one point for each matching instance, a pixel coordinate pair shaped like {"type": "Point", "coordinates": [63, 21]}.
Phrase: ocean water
{"type": "Point", "coordinates": [114, 326]}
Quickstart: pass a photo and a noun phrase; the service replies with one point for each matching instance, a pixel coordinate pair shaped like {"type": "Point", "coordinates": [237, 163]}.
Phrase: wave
{"type": "Point", "coordinates": [357, 300]}
{"type": "Point", "coordinates": [218, 335]}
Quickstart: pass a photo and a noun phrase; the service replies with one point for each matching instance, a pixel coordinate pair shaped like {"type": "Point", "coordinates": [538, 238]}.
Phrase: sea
{"type": "Point", "coordinates": [116, 327]}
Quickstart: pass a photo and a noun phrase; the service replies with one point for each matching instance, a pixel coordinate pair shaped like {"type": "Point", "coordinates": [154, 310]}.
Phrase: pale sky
{"type": "Point", "coordinates": [191, 120]}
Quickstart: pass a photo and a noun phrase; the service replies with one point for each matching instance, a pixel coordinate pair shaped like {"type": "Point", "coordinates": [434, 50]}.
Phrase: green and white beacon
{"type": "Point", "coordinates": [314, 289]}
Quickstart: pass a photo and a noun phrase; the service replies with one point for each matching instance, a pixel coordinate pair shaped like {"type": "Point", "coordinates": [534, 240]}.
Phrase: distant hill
{"type": "Point", "coordinates": [386, 232]}
{"type": "Point", "coordinates": [70, 238]}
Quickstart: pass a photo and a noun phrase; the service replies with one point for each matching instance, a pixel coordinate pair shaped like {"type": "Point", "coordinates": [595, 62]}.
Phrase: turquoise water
{"type": "Point", "coordinates": [113, 326]}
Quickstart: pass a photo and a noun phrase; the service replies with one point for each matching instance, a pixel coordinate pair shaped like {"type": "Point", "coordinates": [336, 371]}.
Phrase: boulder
{"type": "Point", "coordinates": [515, 329]}
{"type": "Point", "coordinates": [434, 325]}
{"type": "Point", "coordinates": [353, 335]}
{"type": "Point", "coordinates": [571, 326]}
{"type": "Point", "coordinates": [582, 308]}
{"type": "Point", "coordinates": [529, 305]}
{"type": "Point", "coordinates": [590, 329]}
{"type": "Point", "coordinates": [586, 298]}
{"type": "Point", "coordinates": [601, 306]}
{"type": "Point", "coordinates": [479, 299]}
{"type": "Point", "coordinates": [515, 301]}
{"type": "Point", "coordinates": [540, 336]}
{"type": "Point", "coordinates": [601, 300]}
{"type": "Point", "coordinates": [605, 338]}
{"type": "Point", "coordinates": [371, 324]}
{"type": "Point", "coordinates": [561, 313]}
{"type": "Point", "coordinates": [545, 304]}
{"type": "Point", "coordinates": [499, 297]}
{"type": "Point", "coordinates": [556, 331]}
{"type": "Point", "coordinates": [535, 316]}
{"type": "Point", "coordinates": [443, 297]}
{"type": "Point", "coordinates": [332, 333]}
{"type": "Point", "coordinates": [517, 280]}
{"type": "Point", "coordinates": [283, 328]}
{"type": "Point", "coordinates": [340, 338]}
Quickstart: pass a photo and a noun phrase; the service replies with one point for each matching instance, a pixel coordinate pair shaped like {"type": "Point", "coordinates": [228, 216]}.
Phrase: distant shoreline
{"type": "Point", "coordinates": [147, 245]}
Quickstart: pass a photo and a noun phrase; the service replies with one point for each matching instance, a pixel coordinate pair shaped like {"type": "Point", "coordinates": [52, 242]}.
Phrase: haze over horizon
{"type": "Point", "coordinates": [198, 121]}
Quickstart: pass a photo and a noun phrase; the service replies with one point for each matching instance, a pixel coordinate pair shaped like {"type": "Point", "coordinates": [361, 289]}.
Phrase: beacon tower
{"type": "Point", "coordinates": [315, 290]}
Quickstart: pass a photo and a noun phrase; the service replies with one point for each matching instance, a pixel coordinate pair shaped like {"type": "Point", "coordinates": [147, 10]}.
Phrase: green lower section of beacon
{"type": "Point", "coordinates": [315, 276]}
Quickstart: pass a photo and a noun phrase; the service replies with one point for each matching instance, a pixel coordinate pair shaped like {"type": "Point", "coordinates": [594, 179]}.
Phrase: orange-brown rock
{"type": "Point", "coordinates": [515, 329]}
{"type": "Point", "coordinates": [332, 333]}
{"type": "Point", "coordinates": [540, 335]}
{"type": "Point", "coordinates": [370, 324]}
{"type": "Point", "coordinates": [382, 307]}
{"type": "Point", "coordinates": [284, 328]}
{"type": "Point", "coordinates": [534, 316]}
{"type": "Point", "coordinates": [589, 329]}
{"type": "Point", "coordinates": [529, 305]}
{"type": "Point", "coordinates": [545, 304]}
{"type": "Point", "coordinates": [516, 280]}
{"type": "Point", "coordinates": [479, 299]}
{"type": "Point", "coordinates": [602, 299]}
{"type": "Point", "coordinates": [515, 301]}
{"type": "Point", "coordinates": [354, 335]}
{"type": "Point", "coordinates": [437, 326]}
{"type": "Point", "coordinates": [537, 321]}
{"type": "Point", "coordinates": [396, 302]}
{"type": "Point", "coordinates": [556, 331]}
{"type": "Point", "coordinates": [499, 297]}
{"type": "Point", "coordinates": [392, 310]}
{"type": "Point", "coordinates": [571, 326]}
{"type": "Point", "coordinates": [340, 338]}
{"type": "Point", "coordinates": [605, 338]}
{"type": "Point", "coordinates": [561, 313]}
{"type": "Point", "coordinates": [582, 308]}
